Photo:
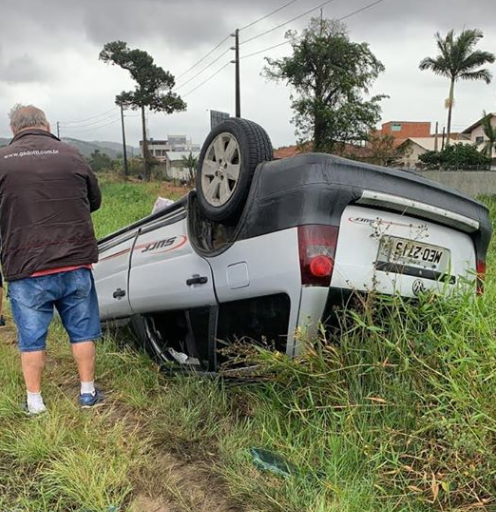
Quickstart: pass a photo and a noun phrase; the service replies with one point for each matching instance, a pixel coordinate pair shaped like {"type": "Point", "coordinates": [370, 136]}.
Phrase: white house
{"type": "Point", "coordinates": [175, 164]}
{"type": "Point", "coordinates": [159, 148]}
{"type": "Point", "coordinates": [414, 147]}
{"type": "Point", "coordinates": [476, 133]}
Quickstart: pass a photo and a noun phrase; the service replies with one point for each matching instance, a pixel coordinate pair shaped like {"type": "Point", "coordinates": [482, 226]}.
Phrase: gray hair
{"type": "Point", "coordinates": [27, 116]}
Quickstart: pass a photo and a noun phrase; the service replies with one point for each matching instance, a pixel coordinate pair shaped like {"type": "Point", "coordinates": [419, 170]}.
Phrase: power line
{"type": "Point", "coordinates": [224, 53]}
{"type": "Point", "coordinates": [208, 79]}
{"type": "Point", "coordinates": [78, 127]}
{"type": "Point", "coordinates": [84, 126]}
{"type": "Point", "coordinates": [203, 58]}
{"type": "Point", "coordinates": [203, 70]}
{"type": "Point", "coordinates": [268, 15]}
{"type": "Point", "coordinates": [224, 40]}
{"type": "Point", "coordinates": [89, 118]}
{"type": "Point", "coordinates": [77, 132]}
{"type": "Point", "coordinates": [265, 50]}
{"type": "Point", "coordinates": [289, 21]}
{"type": "Point", "coordinates": [360, 10]}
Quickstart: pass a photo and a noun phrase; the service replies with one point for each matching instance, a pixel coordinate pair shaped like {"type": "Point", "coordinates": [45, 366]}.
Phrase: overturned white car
{"type": "Point", "coordinates": [263, 247]}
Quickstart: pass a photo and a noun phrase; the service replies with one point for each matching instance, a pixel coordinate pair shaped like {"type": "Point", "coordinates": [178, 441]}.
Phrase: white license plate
{"type": "Point", "coordinates": [400, 251]}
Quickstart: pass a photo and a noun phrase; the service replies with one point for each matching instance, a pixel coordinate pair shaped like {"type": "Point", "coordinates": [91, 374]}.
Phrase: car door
{"type": "Point", "coordinates": [166, 273]}
{"type": "Point", "coordinates": [111, 276]}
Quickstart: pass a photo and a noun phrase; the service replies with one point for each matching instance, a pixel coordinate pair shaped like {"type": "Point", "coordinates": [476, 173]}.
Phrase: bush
{"type": "Point", "coordinates": [456, 156]}
{"type": "Point", "coordinates": [99, 162]}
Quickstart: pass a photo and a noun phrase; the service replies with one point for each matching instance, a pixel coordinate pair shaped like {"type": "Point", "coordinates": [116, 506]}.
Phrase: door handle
{"type": "Point", "coordinates": [196, 279]}
{"type": "Point", "coordinates": [118, 294]}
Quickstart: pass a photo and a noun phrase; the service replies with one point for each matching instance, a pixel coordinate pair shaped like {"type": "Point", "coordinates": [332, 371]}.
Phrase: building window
{"type": "Point", "coordinates": [396, 127]}
{"type": "Point", "coordinates": [479, 140]}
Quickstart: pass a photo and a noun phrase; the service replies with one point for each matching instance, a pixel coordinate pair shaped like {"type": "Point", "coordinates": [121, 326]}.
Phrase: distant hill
{"type": "Point", "coordinates": [112, 149]}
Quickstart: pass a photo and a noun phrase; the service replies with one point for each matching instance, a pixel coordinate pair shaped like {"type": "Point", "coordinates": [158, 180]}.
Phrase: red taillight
{"type": "Point", "coordinates": [317, 246]}
{"type": "Point", "coordinates": [321, 266]}
{"type": "Point", "coordinates": [481, 275]}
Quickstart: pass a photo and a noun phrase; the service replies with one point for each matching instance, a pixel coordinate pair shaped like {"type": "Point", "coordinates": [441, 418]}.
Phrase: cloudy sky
{"type": "Point", "coordinates": [49, 57]}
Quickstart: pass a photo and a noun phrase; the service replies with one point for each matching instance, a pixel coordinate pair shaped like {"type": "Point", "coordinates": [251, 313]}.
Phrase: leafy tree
{"type": "Point", "coordinates": [457, 156]}
{"type": "Point", "coordinates": [330, 75]}
{"type": "Point", "coordinates": [190, 163]}
{"type": "Point", "coordinates": [136, 166]}
{"type": "Point", "coordinates": [382, 150]}
{"type": "Point", "coordinates": [457, 60]}
{"type": "Point", "coordinates": [490, 133]}
{"type": "Point", "coordinates": [153, 86]}
{"type": "Point", "coordinates": [99, 161]}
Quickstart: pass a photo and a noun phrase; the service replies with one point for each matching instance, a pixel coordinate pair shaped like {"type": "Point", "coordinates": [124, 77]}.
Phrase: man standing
{"type": "Point", "coordinates": [47, 192]}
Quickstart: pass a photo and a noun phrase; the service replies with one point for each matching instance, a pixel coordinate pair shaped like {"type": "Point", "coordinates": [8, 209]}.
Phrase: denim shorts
{"type": "Point", "coordinates": [72, 293]}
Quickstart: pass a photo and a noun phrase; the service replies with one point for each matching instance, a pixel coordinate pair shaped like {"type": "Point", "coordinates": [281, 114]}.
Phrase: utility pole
{"type": "Point", "coordinates": [436, 145]}
{"type": "Point", "coordinates": [58, 130]}
{"type": "Point", "coordinates": [237, 73]}
{"type": "Point", "coordinates": [124, 149]}
{"type": "Point", "coordinates": [146, 154]}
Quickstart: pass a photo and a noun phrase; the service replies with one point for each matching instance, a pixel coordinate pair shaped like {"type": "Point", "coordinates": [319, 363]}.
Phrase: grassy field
{"type": "Point", "coordinates": [399, 416]}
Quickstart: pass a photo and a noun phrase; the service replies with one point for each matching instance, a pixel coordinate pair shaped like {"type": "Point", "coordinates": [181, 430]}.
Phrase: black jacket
{"type": "Point", "coordinates": [47, 192]}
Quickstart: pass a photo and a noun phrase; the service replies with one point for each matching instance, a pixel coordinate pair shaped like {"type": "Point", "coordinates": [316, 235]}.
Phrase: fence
{"type": "Point", "coordinates": [471, 182]}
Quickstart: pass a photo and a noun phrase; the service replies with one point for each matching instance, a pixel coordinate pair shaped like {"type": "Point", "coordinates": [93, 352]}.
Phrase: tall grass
{"type": "Point", "coordinates": [397, 414]}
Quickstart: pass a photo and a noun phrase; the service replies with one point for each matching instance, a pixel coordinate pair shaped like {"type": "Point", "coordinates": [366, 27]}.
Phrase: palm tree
{"type": "Point", "coordinates": [458, 59]}
{"type": "Point", "coordinates": [490, 133]}
{"type": "Point", "coordinates": [190, 162]}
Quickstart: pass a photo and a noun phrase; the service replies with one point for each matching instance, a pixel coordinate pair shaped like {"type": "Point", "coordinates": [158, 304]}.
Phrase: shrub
{"type": "Point", "coordinates": [456, 156]}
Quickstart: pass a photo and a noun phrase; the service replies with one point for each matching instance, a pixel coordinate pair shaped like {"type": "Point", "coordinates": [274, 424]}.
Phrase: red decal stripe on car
{"type": "Point", "coordinates": [117, 254]}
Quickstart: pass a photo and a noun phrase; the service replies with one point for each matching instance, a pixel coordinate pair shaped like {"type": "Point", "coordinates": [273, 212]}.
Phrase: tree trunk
{"type": "Point", "coordinates": [318, 135]}
{"type": "Point", "coordinates": [319, 126]}
{"type": "Point", "coordinates": [146, 153]}
{"type": "Point", "coordinates": [451, 100]}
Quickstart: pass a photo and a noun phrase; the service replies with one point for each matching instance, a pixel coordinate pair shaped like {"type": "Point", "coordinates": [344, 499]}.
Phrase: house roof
{"type": "Point", "coordinates": [406, 122]}
{"type": "Point", "coordinates": [348, 149]}
{"type": "Point", "coordinates": [471, 128]}
{"type": "Point", "coordinates": [287, 152]}
{"type": "Point", "coordinates": [429, 143]}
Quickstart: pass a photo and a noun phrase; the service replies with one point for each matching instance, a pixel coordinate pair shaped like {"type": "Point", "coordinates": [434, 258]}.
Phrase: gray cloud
{"type": "Point", "coordinates": [57, 42]}
{"type": "Point", "coordinates": [22, 69]}
{"type": "Point", "coordinates": [186, 24]}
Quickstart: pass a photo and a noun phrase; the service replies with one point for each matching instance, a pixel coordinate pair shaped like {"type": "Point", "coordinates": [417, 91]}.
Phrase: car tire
{"type": "Point", "coordinates": [228, 159]}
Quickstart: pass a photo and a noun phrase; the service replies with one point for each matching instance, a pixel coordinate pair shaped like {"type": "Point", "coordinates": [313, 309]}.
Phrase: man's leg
{"type": "Point", "coordinates": [85, 355]}
{"type": "Point", "coordinates": [79, 313]}
{"type": "Point", "coordinates": [32, 310]}
{"type": "Point", "coordinates": [33, 364]}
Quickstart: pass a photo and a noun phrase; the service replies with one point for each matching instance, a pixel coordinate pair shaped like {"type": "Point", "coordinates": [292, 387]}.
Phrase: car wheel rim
{"type": "Point", "coordinates": [221, 169]}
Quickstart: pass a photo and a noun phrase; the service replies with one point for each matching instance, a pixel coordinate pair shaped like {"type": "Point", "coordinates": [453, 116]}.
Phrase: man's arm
{"type": "Point", "coordinates": [92, 188]}
{"type": "Point", "coordinates": [94, 193]}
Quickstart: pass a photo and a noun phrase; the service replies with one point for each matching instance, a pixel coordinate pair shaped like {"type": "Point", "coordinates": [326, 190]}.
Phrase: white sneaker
{"type": "Point", "coordinates": [34, 411]}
